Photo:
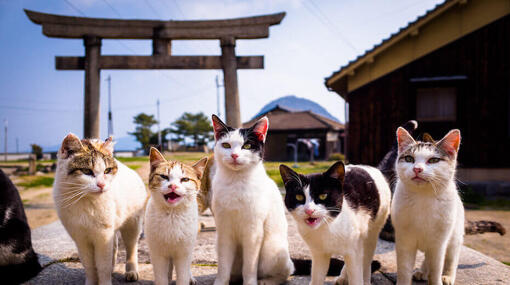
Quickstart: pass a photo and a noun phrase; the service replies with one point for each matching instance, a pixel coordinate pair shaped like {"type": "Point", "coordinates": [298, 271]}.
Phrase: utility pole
{"type": "Point", "coordinates": [110, 118]}
{"type": "Point", "coordinates": [159, 129]}
{"type": "Point", "coordinates": [218, 85]}
{"type": "Point", "coordinates": [5, 146]}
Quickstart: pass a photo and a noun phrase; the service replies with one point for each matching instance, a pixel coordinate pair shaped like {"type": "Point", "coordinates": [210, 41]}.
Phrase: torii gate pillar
{"type": "Point", "coordinates": [92, 83]}
{"type": "Point", "coordinates": [229, 62]}
{"type": "Point", "coordinates": [93, 30]}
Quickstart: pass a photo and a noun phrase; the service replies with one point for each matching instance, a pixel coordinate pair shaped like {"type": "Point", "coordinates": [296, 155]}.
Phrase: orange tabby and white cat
{"type": "Point", "coordinates": [171, 220]}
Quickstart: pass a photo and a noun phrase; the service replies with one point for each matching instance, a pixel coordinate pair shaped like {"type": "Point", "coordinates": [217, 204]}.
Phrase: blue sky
{"type": "Point", "coordinates": [316, 37]}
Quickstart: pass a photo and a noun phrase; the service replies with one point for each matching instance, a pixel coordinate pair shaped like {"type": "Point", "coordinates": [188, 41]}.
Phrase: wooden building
{"type": "Point", "coordinates": [450, 68]}
{"type": "Point", "coordinates": [291, 128]}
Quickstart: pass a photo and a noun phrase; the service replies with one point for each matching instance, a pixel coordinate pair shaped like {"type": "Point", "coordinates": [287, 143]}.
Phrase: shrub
{"type": "Point", "coordinates": [336, 157]}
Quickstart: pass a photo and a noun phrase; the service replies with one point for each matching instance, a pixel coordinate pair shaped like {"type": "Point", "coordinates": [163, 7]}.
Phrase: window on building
{"type": "Point", "coordinates": [436, 104]}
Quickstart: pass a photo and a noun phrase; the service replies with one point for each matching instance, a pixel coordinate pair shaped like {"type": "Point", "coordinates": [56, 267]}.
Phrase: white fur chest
{"type": "Point", "coordinates": [170, 229]}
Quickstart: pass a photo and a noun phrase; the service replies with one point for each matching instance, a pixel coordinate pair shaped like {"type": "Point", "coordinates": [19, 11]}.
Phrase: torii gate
{"type": "Point", "coordinates": [92, 30]}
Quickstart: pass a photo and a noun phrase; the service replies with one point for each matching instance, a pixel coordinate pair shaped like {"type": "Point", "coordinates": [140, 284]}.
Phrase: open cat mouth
{"type": "Point", "coordinates": [172, 197]}
{"type": "Point", "coordinates": [312, 221]}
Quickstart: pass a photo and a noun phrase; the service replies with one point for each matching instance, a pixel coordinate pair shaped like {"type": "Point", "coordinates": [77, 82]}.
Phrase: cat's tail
{"type": "Point", "coordinates": [204, 194]}
{"type": "Point", "coordinates": [304, 266]}
{"type": "Point", "coordinates": [480, 227]}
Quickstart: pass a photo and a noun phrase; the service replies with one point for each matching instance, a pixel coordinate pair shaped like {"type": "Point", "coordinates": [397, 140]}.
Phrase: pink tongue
{"type": "Point", "coordinates": [172, 196]}
{"type": "Point", "coordinates": [311, 220]}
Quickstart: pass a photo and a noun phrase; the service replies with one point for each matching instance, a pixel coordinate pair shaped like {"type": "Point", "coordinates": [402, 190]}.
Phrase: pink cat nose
{"type": "Point", "coordinates": [100, 185]}
{"type": "Point", "coordinates": [417, 170]}
{"type": "Point", "coordinates": [234, 156]}
{"type": "Point", "coordinates": [309, 212]}
{"type": "Point", "coordinates": [172, 186]}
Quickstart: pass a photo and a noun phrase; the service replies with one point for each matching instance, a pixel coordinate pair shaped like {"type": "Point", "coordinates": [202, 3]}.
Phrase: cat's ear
{"type": "Point", "coordinates": [108, 145]}
{"type": "Point", "coordinates": [288, 174]}
{"type": "Point", "coordinates": [71, 144]}
{"type": "Point", "coordinates": [219, 127]}
{"type": "Point", "coordinates": [156, 157]}
{"type": "Point", "coordinates": [428, 138]}
{"type": "Point", "coordinates": [336, 171]}
{"type": "Point", "coordinates": [450, 143]}
{"type": "Point", "coordinates": [200, 166]}
{"type": "Point", "coordinates": [404, 139]}
{"type": "Point", "coordinates": [260, 128]}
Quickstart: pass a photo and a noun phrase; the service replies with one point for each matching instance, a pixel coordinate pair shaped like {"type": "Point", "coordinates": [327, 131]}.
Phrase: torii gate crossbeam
{"type": "Point", "coordinates": [93, 30]}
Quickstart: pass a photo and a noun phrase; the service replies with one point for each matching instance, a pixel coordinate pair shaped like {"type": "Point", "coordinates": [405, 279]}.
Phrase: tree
{"type": "Point", "coordinates": [196, 127]}
{"type": "Point", "coordinates": [143, 132]}
{"type": "Point", "coordinates": [37, 150]}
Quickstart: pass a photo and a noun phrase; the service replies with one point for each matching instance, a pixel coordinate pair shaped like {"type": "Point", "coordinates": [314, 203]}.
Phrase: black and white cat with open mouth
{"type": "Point", "coordinates": [340, 211]}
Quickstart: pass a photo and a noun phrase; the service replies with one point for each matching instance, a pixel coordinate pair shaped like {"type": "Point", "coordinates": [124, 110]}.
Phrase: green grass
{"type": "Point", "coordinates": [134, 166]}
{"type": "Point", "coordinates": [133, 159]}
{"type": "Point", "coordinates": [273, 169]}
{"type": "Point", "coordinates": [39, 181]}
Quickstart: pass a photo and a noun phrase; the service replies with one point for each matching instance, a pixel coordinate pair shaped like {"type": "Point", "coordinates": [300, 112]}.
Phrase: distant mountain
{"type": "Point", "coordinates": [294, 103]}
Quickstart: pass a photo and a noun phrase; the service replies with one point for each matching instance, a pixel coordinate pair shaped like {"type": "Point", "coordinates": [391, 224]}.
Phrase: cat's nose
{"type": "Point", "coordinates": [309, 212]}
{"type": "Point", "coordinates": [100, 185]}
{"type": "Point", "coordinates": [417, 170]}
{"type": "Point", "coordinates": [234, 156]}
{"type": "Point", "coordinates": [172, 187]}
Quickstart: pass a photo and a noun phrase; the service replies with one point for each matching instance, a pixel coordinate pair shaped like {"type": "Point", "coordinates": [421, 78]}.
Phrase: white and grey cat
{"type": "Point", "coordinates": [171, 220]}
{"type": "Point", "coordinates": [340, 211]}
{"type": "Point", "coordinates": [248, 209]}
{"type": "Point", "coordinates": [96, 195]}
{"type": "Point", "coordinates": [427, 212]}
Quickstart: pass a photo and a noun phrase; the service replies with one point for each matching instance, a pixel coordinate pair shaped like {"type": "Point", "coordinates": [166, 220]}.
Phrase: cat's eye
{"type": "Point", "coordinates": [87, 171]}
{"type": "Point", "coordinates": [184, 179]}
{"type": "Point", "coordinates": [433, 160]}
{"type": "Point", "coordinates": [409, 158]}
{"type": "Point", "coordinates": [225, 145]}
{"type": "Point", "coordinates": [108, 170]}
{"type": "Point", "coordinates": [323, 196]}
{"type": "Point", "coordinates": [163, 176]}
{"type": "Point", "coordinates": [247, 146]}
{"type": "Point", "coordinates": [300, 197]}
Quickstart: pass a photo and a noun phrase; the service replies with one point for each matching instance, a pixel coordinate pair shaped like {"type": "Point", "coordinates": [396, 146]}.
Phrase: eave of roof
{"type": "Point", "coordinates": [324, 122]}
{"type": "Point", "coordinates": [388, 42]}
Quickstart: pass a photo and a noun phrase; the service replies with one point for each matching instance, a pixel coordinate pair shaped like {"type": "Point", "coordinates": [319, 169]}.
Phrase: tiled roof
{"type": "Point", "coordinates": [303, 120]}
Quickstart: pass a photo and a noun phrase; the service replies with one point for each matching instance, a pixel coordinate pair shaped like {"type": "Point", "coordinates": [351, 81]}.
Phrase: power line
{"type": "Point", "coordinates": [152, 8]}
{"type": "Point", "coordinates": [113, 9]}
{"type": "Point", "coordinates": [323, 18]}
{"type": "Point", "coordinates": [75, 8]}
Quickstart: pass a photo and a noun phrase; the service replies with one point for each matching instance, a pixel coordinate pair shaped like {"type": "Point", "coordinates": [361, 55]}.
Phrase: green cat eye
{"type": "Point", "coordinates": [323, 196]}
{"type": "Point", "coordinates": [409, 158]}
{"type": "Point", "coordinates": [87, 171]}
{"type": "Point", "coordinates": [108, 170]}
{"type": "Point", "coordinates": [184, 179]}
{"type": "Point", "coordinates": [434, 160]}
{"type": "Point", "coordinates": [225, 145]}
{"type": "Point", "coordinates": [247, 146]}
{"type": "Point", "coordinates": [163, 176]}
{"type": "Point", "coordinates": [300, 197]}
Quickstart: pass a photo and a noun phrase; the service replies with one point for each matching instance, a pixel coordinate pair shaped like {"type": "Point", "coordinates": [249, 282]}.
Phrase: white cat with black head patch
{"type": "Point", "coordinates": [248, 209]}
{"type": "Point", "coordinates": [340, 211]}
{"type": "Point", "coordinates": [427, 212]}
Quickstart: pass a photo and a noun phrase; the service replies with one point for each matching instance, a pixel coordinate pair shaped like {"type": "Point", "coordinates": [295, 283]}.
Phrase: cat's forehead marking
{"type": "Point", "coordinates": [233, 137]}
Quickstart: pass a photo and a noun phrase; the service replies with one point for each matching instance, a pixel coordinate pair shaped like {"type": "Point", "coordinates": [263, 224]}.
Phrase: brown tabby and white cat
{"type": "Point", "coordinates": [171, 220]}
{"type": "Point", "coordinates": [96, 195]}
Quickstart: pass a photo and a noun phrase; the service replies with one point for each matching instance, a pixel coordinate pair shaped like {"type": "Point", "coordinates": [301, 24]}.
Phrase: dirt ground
{"type": "Point", "coordinates": [491, 244]}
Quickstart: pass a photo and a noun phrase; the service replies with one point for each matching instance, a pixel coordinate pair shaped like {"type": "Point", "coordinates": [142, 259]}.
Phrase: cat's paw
{"type": "Point", "coordinates": [341, 280]}
{"type": "Point", "coordinates": [193, 281]}
{"type": "Point", "coordinates": [420, 275]}
{"type": "Point", "coordinates": [131, 276]}
{"type": "Point", "coordinates": [447, 280]}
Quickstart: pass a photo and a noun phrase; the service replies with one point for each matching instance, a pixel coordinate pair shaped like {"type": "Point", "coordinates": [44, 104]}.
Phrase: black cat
{"type": "Point", "coordinates": [18, 261]}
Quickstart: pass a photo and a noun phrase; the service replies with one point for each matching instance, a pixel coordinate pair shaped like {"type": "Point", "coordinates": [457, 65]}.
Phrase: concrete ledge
{"type": "Point", "coordinates": [53, 243]}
